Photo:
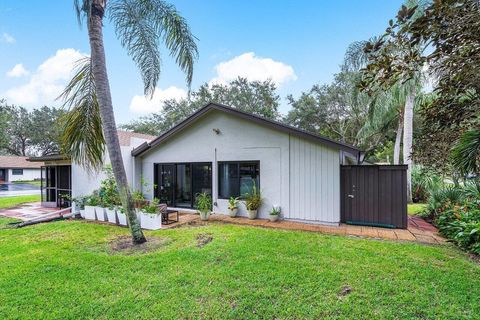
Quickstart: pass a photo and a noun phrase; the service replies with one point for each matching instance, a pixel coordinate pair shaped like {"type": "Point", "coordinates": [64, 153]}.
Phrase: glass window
{"type": "Point", "coordinates": [235, 179]}
{"type": "Point", "coordinates": [17, 172]}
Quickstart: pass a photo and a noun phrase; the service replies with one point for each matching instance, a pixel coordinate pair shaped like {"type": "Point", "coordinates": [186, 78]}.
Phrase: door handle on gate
{"type": "Point", "coordinates": [351, 196]}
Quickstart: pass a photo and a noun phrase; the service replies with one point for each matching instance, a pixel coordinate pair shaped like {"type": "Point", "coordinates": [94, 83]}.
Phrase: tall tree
{"type": "Point", "coordinates": [257, 97]}
{"type": "Point", "coordinates": [140, 25]}
{"type": "Point", "coordinates": [374, 75]}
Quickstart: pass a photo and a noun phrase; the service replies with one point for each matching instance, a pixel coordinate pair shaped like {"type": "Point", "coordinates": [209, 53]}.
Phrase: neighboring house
{"type": "Point", "coordinates": [224, 152]}
{"type": "Point", "coordinates": [14, 168]}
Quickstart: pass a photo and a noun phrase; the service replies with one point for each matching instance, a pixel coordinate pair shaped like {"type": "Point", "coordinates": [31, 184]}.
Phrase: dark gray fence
{"type": "Point", "coordinates": [374, 195]}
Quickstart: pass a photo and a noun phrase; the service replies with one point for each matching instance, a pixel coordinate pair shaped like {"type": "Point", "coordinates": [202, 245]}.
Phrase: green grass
{"type": "Point", "coordinates": [9, 202]}
{"type": "Point", "coordinates": [416, 208]}
{"type": "Point", "coordinates": [32, 182]}
{"type": "Point", "coordinates": [67, 270]}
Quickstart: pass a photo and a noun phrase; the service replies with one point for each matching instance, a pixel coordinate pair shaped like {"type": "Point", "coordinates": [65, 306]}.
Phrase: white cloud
{"type": "Point", "coordinates": [253, 68]}
{"type": "Point", "coordinates": [142, 104]}
{"type": "Point", "coordinates": [18, 71]}
{"type": "Point", "coordinates": [7, 38]}
{"type": "Point", "coordinates": [47, 82]}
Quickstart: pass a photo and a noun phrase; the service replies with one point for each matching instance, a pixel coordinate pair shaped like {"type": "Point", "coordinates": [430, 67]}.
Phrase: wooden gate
{"type": "Point", "coordinates": [374, 195]}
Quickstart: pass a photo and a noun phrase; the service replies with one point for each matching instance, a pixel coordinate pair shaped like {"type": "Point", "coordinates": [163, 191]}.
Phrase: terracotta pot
{"type": "Point", "coordinates": [252, 214]}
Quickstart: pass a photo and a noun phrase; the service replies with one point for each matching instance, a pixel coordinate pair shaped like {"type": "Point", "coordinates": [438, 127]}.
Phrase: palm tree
{"type": "Point", "coordinates": [140, 25]}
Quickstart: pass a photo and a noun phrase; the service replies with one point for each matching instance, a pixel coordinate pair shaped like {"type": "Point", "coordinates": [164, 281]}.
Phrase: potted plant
{"type": "Point", "coordinates": [274, 214]}
{"type": "Point", "coordinates": [232, 207]}
{"type": "Point", "coordinates": [203, 204]}
{"type": "Point", "coordinates": [99, 207]}
{"type": "Point", "coordinates": [122, 217]}
{"type": "Point", "coordinates": [151, 218]}
{"type": "Point", "coordinates": [80, 205]}
{"type": "Point", "coordinates": [90, 203]}
{"type": "Point", "coordinates": [253, 201]}
{"type": "Point", "coordinates": [109, 193]}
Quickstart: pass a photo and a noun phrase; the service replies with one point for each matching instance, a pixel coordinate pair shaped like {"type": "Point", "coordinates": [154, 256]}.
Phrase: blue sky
{"type": "Point", "coordinates": [296, 43]}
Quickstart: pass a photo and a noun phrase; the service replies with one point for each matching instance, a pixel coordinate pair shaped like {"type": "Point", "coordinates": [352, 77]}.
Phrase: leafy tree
{"type": "Point", "coordinates": [377, 75]}
{"type": "Point", "coordinates": [451, 29]}
{"type": "Point", "coordinates": [46, 129]}
{"type": "Point", "coordinates": [257, 97]}
{"type": "Point", "coordinates": [141, 25]}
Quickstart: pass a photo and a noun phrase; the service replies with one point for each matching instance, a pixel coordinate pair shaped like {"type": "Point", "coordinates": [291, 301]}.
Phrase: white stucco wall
{"type": "Point", "coordinates": [84, 182]}
{"type": "Point", "coordinates": [28, 175]}
{"type": "Point", "coordinates": [245, 140]}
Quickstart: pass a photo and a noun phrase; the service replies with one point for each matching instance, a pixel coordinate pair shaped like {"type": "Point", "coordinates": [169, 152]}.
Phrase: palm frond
{"type": "Point", "coordinates": [82, 137]}
{"type": "Point", "coordinates": [141, 25]}
{"type": "Point", "coordinates": [82, 9]}
{"type": "Point", "coordinates": [466, 153]}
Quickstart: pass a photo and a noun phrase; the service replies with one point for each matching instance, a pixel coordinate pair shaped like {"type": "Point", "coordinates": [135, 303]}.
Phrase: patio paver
{"type": "Point", "coordinates": [418, 229]}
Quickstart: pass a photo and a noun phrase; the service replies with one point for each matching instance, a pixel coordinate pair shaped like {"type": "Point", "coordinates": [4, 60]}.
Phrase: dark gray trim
{"type": "Point", "coordinates": [251, 117]}
{"type": "Point", "coordinates": [53, 157]}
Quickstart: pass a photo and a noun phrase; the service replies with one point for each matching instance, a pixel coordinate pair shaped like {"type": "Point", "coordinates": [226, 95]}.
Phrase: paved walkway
{"type": "Point", "coordinates": [27, 211]}
{"type": "Point", "coordinates": [418, 229]}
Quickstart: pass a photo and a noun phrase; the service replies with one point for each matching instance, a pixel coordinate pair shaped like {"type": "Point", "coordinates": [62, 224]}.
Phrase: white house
{"type": "Point", "coordinates": [15, 168]}
{"type": "Point", "coordinates": [224, 152]}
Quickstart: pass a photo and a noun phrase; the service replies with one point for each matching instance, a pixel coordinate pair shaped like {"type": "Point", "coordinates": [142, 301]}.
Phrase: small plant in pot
{"type": "Point", "coordinates": [91, 203]}
{"type": "Point", "coordinates": [232, 207]}
{"type": "Point", "coordinates": [151, 218]}
{"type": "Point", "coordinates": [203, 204]}
{"type": "Point", "coordinates": [80, 203]}
{"type": "Point", "coordinates": [274, 214]}
{"type": "Point", "coordinates": [253, 201]}
{"type": "Point", "coordinates": [122, 217]}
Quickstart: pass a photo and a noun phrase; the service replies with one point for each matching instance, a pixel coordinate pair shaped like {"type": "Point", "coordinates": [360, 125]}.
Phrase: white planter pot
{"type": "Point", "coordinates": [82, 213]}
{"type": "Point", "coordinates": [139, 215]}
{"type": "Point", "coordinates": [204, 216]}
{"type": "Point", "coordinates": [122, 218]}
{"type": "Point", "coordinates": [232, 212]}
{"type": "Point", "coordinates": [150, 221]}
{"type": "Point", "coordinates": [89, 213]}
{"type": "Point", "coordinates": [252, 214]}
{"type": "Point", "coordinates": [100, 211]}
{"type": "Point", "coordinates": [273, 218]}
{"type": "Point", "coordinates": [111, 215]}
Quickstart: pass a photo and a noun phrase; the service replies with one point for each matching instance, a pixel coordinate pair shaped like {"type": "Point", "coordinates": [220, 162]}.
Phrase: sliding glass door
{"type": "Point", "coordinates": [178, 183]}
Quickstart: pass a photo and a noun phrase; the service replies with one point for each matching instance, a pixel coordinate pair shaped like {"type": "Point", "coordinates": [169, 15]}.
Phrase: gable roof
{"type": "Point", "coordinates": [124, 137]}
{"type": "Point", "coordinates": [16, 162]}
{"type": "Point", "coordinates": [248, 116]}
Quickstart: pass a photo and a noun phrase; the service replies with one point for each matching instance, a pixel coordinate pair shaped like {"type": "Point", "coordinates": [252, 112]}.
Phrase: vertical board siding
{"type": "Point", "coordinates": [379, 195]}
{"type": "Point", "coordinates": [315, 182]}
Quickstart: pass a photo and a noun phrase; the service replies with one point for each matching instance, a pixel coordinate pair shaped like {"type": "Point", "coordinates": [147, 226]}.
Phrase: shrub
{"type": "Point", "coordinates": [253, 200]}
{"type": "Point", "coordinates": [442, 197]}
{"type": "Point", "coordinates": [203, 202]}
{"type": "Point", "coordinates": [461, 224]}
{"type": "Point", "coordinates": [424, 181]}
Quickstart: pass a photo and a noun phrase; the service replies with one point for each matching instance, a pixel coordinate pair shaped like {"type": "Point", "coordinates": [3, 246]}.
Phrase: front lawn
{"type": "Point", "coordinates": [69, 270]}
{"type": "Point", "coordinates": [9, 202]}
{"type": "Point", "coordinates": [32, 182]}
{"type": "Point", "coordinates": [415, 208]}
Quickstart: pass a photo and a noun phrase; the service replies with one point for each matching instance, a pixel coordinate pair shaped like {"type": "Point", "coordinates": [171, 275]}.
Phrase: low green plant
{"type": "Point", "coordinates": [203, 202]}
{"type": "Point", "coordinates": [93, 200]}
{"type": "Point", "coordinates": [108, 189]}
{"type": "Point", "coordinates": [233, 203]}
{"type": "Point", "coordinates": [80, 201]}
{"type": "Point", "coordinates": [253, 200]}
{"type": "Point", "coordinates": [461, 224]}
{"type": "Point", "coordinates": [152, 207]}
{"type": "Point", "coordinates": [424, 181]}
{"type": "Point", "coordinates": [275, 211]}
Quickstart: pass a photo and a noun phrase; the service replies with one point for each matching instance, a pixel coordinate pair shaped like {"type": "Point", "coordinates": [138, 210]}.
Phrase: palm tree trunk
{"type": "Point", "coordinates": [408, 137]}
{"type": "Point", "coordinates": [398, 140]}
{"type": "Point", "coordinates": [99, 68]}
